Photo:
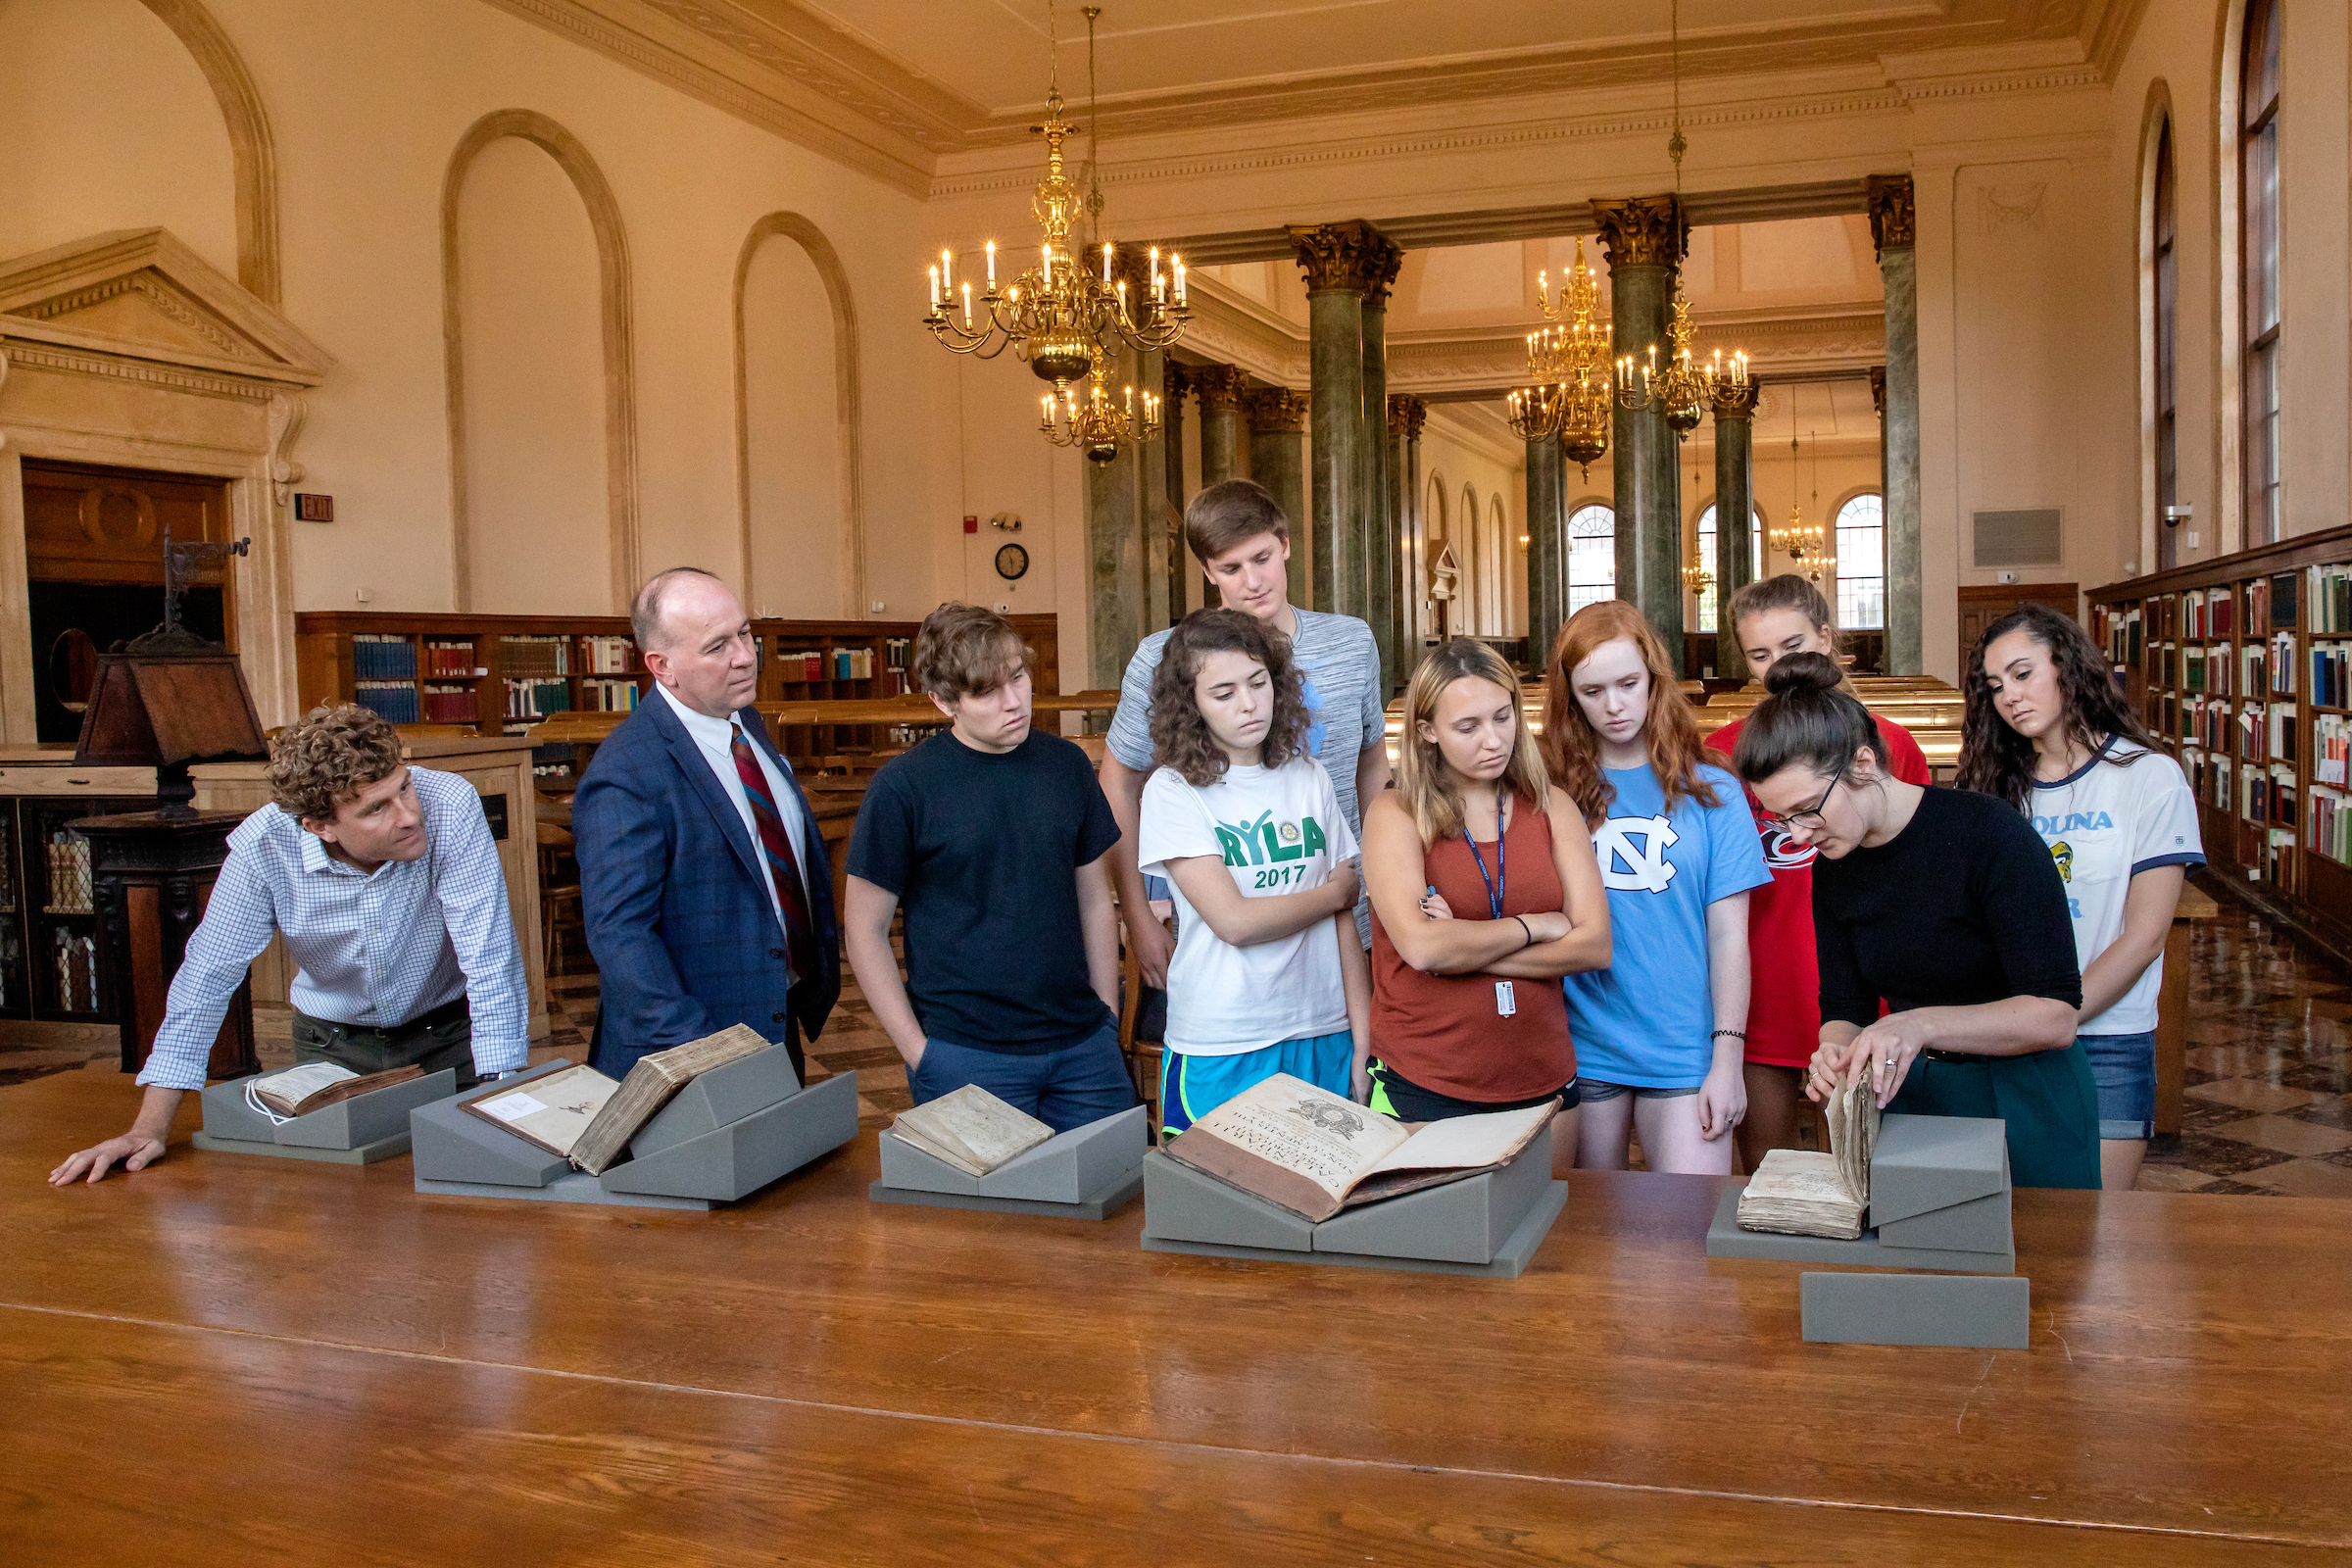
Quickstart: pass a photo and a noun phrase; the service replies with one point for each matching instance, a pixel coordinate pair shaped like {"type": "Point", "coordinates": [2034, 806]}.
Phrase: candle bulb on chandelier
{"type": "Point", "coordinates": [1543, 290]}
{"type": "Point", "coordinates": [992, 266]}
{"type": "Point", "coordinates": [947, 270]}
{"type": "Point", "coordinates": [967, 306]}
{"type": "Point", "coordinates": [1177, 262]}
{"type": "Point", "coordinates": [1106, 261]}
{"type": "Point", "coordinates": [935, 288]}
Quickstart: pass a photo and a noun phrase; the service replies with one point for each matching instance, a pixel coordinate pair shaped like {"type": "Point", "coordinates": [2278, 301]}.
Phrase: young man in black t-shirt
{"type": "Point", "coordinates": [991, 837]}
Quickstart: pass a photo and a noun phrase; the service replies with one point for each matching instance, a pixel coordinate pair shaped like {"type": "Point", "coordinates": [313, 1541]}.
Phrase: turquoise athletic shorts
{"type": "Point", "coordinates": [1191, 1086]}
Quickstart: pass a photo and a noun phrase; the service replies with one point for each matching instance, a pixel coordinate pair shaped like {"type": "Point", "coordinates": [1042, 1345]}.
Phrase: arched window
{"type": "Point", "coordinates": [2258, 263]}
{"type": "Point", "coordinates": [1713, 595]}
{"type": "Point", "coordinates": [1862, 563]}
{"type": "Point", "coordinates": [1591, 555]}
{"type": "Point", "coordinates": [2167, 308]}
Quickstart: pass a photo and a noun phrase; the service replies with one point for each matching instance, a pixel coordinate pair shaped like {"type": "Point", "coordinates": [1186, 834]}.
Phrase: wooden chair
{"type": "Point", "coordinates": [559, 890]}
{"type": "Point", "coordinates": [1142, 1055]}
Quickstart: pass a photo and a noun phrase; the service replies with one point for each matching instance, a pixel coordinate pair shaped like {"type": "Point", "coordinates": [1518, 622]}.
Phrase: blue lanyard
{"type": "Point", "coordinates": [1502, 879]}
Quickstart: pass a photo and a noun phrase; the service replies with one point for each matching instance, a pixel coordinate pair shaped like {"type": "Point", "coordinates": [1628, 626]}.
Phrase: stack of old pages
{"type": "Point", "coordinates": [1803, 1193]}
{"type": "Point", "coordinates": [970, 1129]}
{"type": "Point", "coordinates": [1315, 1153]}
{"type": "Point", "coordinates": [316, 1085]}
{"type": "Point", "coordinates": [585, 1118]}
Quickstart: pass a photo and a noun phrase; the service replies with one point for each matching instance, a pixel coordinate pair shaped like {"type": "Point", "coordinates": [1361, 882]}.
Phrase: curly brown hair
{"type": "Point", "coordinates": [1996, 759]}
{"type": "Point", "coordinates": [326, 757]}
{"type": "Point", "coordinates": [1572, 751]}
{"type": "Point", "coordinates": [1180, 737]}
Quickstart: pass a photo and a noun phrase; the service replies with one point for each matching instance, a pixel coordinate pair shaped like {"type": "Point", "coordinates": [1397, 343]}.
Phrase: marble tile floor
{"type": "Point", "coordinates": [2269, 1099]}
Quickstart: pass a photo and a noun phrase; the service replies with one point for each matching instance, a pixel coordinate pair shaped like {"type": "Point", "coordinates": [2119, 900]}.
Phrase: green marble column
{"type": "Point", "coordinates": [1114, 539]}
{"type": "Point", "coordinates": [1163, 591]}
{"type": "Point", "coordinates": [1893, 228]}
{"type": "Point", "coordinates": [1735, 560]}
{"type": "Point", "coordinates": [1340, 262]}
{"type": "Point", "coordinates": [1219, 388]}
{"type": "Point", "coordinates": [1173, 386]}
{"type": "Point", "coordinates": [1546, 549]}
{"type": "Point", "coordinates": [1645, 239]}
{"type": "Point", "coordinates": [1412, 555]}
{"type": "Point", "coordinates": [1400, 534]}
{"type": "Point", "coordinates": [1277, 417]}
{"type": "Point", "coordinates": [1381, 575]}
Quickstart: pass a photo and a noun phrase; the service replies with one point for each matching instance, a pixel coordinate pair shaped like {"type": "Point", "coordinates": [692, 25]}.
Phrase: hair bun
{"type": "Point", "coordinates": [1802, 673]}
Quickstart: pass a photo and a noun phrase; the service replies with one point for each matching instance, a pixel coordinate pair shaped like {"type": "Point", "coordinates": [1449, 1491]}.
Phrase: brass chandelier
{"type": "Point", "coordinates": [1571, 355]}
{"type": "Point", "coordinates": [1682, 388]}
{"type": "Point", "coordinates": [1803, 543]}
{"type": "Point", "coordinates": [1059, 316]}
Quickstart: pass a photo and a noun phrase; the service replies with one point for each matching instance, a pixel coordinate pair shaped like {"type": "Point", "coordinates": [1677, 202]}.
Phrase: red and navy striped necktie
{"type": "Point", "coordinates": [800, 933]}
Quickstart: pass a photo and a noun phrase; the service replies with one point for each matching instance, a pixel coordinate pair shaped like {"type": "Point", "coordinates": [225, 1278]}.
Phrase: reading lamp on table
{"type": "Point", "coordinates": [166, 701]}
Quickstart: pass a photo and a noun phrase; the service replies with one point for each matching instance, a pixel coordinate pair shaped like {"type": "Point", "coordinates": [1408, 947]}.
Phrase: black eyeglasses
{"type": "Point", "coordinates": [1815, 810]}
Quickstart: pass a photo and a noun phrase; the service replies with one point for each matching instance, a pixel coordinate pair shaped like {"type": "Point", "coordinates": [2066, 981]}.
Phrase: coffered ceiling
{"type": "Point", "coordinates": [904, 83]}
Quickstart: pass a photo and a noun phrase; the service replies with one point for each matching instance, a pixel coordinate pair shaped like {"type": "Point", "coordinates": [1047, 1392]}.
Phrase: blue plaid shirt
{"type": "Point", "coordinates": [374, 949]}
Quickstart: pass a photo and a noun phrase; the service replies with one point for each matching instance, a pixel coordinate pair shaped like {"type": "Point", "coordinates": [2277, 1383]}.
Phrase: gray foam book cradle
{"type": "Point", "coordinates": [1089, 1172]}
{"type": "Point", "coordinates": [1940, 1190]}
{"type": "Point", "coordinates": [721, 1137]}
{"type": "Point", "coordinates": [358, 1131]}
{"type": "Point", "coordinates": [1488, 1224]}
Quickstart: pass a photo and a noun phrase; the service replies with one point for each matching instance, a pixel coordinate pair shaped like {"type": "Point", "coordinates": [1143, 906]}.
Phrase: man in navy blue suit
{"type": "Point", "coordinates": [704, 880]}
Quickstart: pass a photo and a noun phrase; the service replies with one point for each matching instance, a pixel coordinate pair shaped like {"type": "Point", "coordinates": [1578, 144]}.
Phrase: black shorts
{"type": "Point", "coordinates": [1395, 1096]}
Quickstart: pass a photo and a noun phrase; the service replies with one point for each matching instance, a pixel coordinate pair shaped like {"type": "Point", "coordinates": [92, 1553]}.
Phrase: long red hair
{"type": "Point", "coordinates": [1572, 750]}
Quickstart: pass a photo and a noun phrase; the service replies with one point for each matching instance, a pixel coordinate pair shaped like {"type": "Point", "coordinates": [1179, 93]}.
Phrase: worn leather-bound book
{"type": "Point", "coordinates": [971, 1130]}
{"type": "Point", "coordinates": [1805, 1192]}
{"type": "Point", "coordinates": [1315, 1152]}
{"type": "Point", "coordinates": [316, 1085]}
{"type": "Point", "coordinates": [550, 1112]}
{"type": "Point", "coordinates": [649, 1087]}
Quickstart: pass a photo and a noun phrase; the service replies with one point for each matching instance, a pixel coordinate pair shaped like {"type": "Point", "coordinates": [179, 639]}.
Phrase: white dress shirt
{"type": "Point", "coordinates": [715, 737]}
{"type": "Point", "coordinates": [373, 949]}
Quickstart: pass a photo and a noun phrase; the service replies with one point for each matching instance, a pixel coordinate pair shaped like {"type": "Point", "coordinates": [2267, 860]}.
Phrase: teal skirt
{"type": "Point", "coordinates": [2047, 1100]}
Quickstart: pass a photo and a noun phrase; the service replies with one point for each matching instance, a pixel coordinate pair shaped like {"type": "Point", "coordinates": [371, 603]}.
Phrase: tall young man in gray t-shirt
{"type": "Point", "coordinates": [1242, 541]}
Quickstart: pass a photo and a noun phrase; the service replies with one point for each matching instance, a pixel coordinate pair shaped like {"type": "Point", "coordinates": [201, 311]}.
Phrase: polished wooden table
{"type": "Point", "coordinates": [230, 1359]}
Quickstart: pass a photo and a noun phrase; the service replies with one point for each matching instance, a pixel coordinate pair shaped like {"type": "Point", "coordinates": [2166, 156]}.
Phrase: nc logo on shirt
{"type": "Point", "coordinates": [2064, 854]}
{"type": "Point", "coordinates": [1626, 869]}
{"type": "Point", "coordinates": [1266, 841]}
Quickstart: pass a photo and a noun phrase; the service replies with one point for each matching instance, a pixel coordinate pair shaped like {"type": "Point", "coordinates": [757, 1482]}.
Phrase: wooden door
{"type": "Point", "coordinates": [1980, 608]}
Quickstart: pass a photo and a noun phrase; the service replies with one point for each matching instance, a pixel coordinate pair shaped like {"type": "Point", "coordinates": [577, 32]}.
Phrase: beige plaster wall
{"type": "Point", "coordinates": [799, 501]}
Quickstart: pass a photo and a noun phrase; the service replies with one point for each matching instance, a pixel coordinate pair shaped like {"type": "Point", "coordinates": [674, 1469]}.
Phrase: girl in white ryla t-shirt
{"type": "Point", "coordinates": [1243, 820]}
{"type": "Point", "coordinates": [2047, 731]}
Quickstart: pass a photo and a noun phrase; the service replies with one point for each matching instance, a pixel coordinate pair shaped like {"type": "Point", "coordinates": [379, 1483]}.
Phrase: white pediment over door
{"type": "Point", "coordinates": [140, 294]}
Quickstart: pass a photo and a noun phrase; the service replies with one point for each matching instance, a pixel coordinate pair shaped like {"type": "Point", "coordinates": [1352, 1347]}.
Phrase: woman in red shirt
{"type": "Point", "coordinates": [1781, 615]}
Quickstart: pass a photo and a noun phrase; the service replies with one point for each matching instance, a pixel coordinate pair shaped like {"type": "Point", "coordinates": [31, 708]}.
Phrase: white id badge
{"type": "Point", "coordinates": [1506, 1000]}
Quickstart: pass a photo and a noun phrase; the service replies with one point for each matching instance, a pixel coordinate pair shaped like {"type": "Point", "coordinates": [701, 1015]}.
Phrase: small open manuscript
{"type": "Point", "coordinates": [550, 1112]}
{"type": "Point", "coordinates": [657, 1076]}
{"type": "Point", "coordinates": [1803, 1193]}
{"type": "Point", "coordinates": [1315, 1152]}
{"type": "Point", "coordinates": [971, 1130]}
{"type": "Point", "coordinates": [316, 1085]}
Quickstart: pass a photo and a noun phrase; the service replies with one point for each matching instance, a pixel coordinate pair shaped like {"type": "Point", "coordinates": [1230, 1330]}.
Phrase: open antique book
{"type": "Point", "coordinates": [316, 1085]}
{"type": "Point", "coordinates": [550, 1112]}
{"type": "Point", "coordinates": [1315, 1152]}
{"type": "Point", "coordinates": [971, 1130]}
{"type": "Point", "coordinates": [657, 1076]}
{"type": "Point", "coordinates": [1804, 1192]}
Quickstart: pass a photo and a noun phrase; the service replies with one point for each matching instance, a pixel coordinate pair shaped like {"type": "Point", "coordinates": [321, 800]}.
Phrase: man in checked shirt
{"type": "Point", "coordinates": [386, 885]}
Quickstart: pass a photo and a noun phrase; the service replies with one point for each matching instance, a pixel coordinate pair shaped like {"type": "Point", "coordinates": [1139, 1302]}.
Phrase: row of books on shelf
{"type": "Point", "coordinates": [521, 657]}
{"type": "Point", "coordinates": [2258, 791]}
{"type": "Point", "coordinates": [2330, 595]}
{"type": "Point", "coordinates": [609, 656]}
{"type": "Point", "coordinates": [379, 656]}
{"type": "Point", "coordinates": [2332, 674]}
{"type": "Point", "coordinates": [395, 701]}
{"type": "Point", "coordinates": [536, 699]}
{"type": "Point", "coordinates": [828, 663]}
{"type": "Point", "coordinates": [609, 696]}
{"type": "Point", "coordinates": [452, 704]}
{"type": "Point", "coordinates": [2253, 731]}
{"type": "Point", "coordinates": [2260, 667]}
{"type": "Point", "coordinates": [451, 659]}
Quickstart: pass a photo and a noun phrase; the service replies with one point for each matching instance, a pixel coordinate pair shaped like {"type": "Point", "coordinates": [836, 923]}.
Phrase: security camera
{"type": "Point", "coordinates": [2174, 516]}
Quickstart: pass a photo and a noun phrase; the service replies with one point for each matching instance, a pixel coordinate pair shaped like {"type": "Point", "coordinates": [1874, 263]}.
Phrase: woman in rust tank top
{"type": "Point", "coordinates": [1484, 893]}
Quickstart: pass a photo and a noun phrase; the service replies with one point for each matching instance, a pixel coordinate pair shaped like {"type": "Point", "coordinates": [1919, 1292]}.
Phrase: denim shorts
{"type": "Point", "coordinates": [2123, 1066]}
{"type": "Point", "coordinates": [1594, 1092]}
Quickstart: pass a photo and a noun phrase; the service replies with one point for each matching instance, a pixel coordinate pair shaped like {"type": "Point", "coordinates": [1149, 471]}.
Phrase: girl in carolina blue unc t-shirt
{"type": "Point", "coordinates": [1661, 1033]}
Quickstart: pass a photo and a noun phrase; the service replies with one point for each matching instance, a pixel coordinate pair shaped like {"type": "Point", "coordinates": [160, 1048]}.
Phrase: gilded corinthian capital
{"type": "Point", "coordinates": [1219, 386]}
{"type": "Point", "coordinates": [1736, 401]}
{"type": "Point", "coordinates": [1341, 257]}
{"type": "Point", "coordinates": [1893, 222]}
{"type": "Point", "coordinates": [1642, 232]}
{"type": "Point", "coordinates": [1275, 407]}
{"type": "Point", "coordinates": [1406, 415]}
{"type": "Point", "coordinates": [1387, 261]}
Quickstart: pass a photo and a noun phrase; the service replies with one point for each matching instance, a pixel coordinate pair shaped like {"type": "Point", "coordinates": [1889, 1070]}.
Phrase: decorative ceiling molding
{"type": "Point", "coordinates": [786, 67]}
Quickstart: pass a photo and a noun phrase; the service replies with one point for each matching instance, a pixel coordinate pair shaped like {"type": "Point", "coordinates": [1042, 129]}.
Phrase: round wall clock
{"type": "Point", "coordinates": [1013, 562]}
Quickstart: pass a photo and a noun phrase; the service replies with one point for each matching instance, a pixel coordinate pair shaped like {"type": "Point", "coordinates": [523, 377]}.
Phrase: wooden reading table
{"type": "Point", "coordinates": [226, 1357]}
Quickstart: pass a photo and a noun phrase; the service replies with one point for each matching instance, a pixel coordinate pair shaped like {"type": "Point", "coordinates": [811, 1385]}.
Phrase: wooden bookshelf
{"type": "Point", "coordinates": [344, 656]}
{"type": "Point", "coordinates": [2220, 660]}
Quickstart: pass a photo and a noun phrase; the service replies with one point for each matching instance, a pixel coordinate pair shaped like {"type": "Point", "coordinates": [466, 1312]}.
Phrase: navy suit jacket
{"type": "Point", "coordinates": [677, 914]}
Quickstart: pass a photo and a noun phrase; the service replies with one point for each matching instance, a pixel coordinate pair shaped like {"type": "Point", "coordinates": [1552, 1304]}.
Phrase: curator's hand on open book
{"type": "Point", "coordinates": [135, 1150]}
{"type": "Point", "coordinates": [1881, 1055]}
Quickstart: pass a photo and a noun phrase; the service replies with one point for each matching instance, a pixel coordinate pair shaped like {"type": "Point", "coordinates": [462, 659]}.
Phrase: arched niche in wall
{"type": "Point", "coordinates": [112, 127]}
{"type": "Point", "coordinates": [1493, 555]}
{"type": "Point", "coordinates": [541, 370]}
{"type": "Point", "coordinates": [253, 150]}
{"type": "Point", "coordinates": [799, 481]}
{"type": "Point", "coordinates": [1469, 553]}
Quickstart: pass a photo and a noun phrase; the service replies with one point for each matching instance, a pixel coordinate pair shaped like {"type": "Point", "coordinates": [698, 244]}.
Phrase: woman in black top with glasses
{"type": "Point", "coordinates": [1946, 905]}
